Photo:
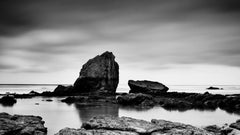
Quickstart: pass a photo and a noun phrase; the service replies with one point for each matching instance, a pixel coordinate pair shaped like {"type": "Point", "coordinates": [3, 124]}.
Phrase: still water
{"type": "Point", "coordinates": [58, 115]}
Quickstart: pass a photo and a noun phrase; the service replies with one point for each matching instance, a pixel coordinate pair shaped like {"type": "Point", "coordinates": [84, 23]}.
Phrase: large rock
{"type": "Point", "coordinates": [21, 125]}
{"type": "Point", "coordinates": [147, 87]}
{"type": "Point", "coordinates": [121, 123]}
{"type": "Point", "coordinates": [100, 74]}
{"type": "Point", "coordinates": [71, 131]}
{"type": "Point", "coordinates": [155, 127]}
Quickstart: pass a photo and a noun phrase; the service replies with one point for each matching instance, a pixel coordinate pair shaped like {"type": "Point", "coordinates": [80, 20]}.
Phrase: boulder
{"type": "Point", "coordinates": [100, 74]}
{"type": "Point", "coordinates": [8, 100]}
{"type": "Point", "coordinates": [21, 125]}
{"type": "Point", "coordinates": [71, 131]}
{"type": "Point", "coordinates": [147, 87]}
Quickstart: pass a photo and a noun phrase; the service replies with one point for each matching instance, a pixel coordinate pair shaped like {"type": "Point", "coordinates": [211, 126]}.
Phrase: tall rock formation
{"type": "Point", "coordinates": [100, 74]}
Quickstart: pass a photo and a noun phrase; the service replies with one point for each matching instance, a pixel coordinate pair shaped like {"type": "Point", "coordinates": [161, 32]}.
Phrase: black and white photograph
{"type": "Point", "coordinates": [119, 67]}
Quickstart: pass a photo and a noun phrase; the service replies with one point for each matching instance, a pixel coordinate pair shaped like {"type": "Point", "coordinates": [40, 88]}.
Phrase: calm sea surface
{"type": "Point", "coordinates": [58, 115]}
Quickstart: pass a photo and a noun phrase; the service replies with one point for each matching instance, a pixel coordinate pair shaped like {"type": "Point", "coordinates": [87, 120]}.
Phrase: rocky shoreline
{"type": "Point", "coordinates": [21, 125]}
{"type": "Point", "coordinates": [97, 83]}
{"type": "Point", "coordinates": [111, 125]}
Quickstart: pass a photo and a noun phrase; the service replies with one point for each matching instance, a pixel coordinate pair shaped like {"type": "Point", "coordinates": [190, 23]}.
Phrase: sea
{"type": "Point", "coordinates": [58, 115]}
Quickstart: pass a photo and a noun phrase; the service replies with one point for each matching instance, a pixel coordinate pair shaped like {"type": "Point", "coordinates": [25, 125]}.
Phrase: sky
{"type": "Point", "coordinates": [187, 42]}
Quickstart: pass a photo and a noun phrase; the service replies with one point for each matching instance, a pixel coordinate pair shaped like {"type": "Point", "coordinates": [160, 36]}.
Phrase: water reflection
{"type": "Point", "coordinates": [87, 111]}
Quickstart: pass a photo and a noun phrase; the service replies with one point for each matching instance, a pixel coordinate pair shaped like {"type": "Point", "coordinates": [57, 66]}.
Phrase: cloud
{"type": "Point", "coordinates": [43, 36]}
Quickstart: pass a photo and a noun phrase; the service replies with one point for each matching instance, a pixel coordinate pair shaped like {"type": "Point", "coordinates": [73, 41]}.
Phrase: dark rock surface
{"type": "Point", "coordinates": [146, 87]}
{"type": "Point", "coordinates": [137, 100]}
{"type": "Point", "coordinates": [100, 74]}
{"type": "Point", "coordinates": [89, 99]}
{"type": "Point", "coordinates": [8, 100]}
{"type": "Point", "coordinates": [21, 125]}
{"type": "Point", "coordinates": [214, 129]}
{"type": "Point", "coordinates": [214, 88]}
{"type": "Point", "coordinates": [63, 90]}
{"type": "Point", "coordinates": [236, 125]}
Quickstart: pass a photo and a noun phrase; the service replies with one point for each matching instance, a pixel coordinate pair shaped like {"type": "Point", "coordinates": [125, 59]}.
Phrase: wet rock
{"type": "Point", "coordinates": [21, 125]}
{"type": "Point", "coordinates": [138, 99]}
{"type": "Point", "coordinates": [175, 128]}
{"type": "Point", "coordinates": [236, 125]}
{"type": "Point", "coordinates": [8, 100]}
{"type": "Point", "coordinates": [63, 90]}
{"type": "Point", "coordinates": [146, 87]}
{"type": "Point", "coordinates": [172, 104]}
{"type": "Point", "coordinates": [121, 123]}
{"type": "Point", "coordinates": [100, 74]}
{"type": "Point", "coordinates": [71, 131]}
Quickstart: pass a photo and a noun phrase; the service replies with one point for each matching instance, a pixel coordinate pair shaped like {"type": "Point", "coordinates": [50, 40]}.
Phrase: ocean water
{"type": "Point", "coordinates": [58, 115]}
{"type": "Point", "coordinates": [20, 89]}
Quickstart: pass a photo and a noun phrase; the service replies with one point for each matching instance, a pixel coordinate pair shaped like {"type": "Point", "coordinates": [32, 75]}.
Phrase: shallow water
{"type": "Point", "coordinates": [58, 115]}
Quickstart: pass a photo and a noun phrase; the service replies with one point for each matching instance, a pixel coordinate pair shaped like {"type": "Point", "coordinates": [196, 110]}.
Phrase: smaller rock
{"type": "Point", "coordinates": [34, 93]}
{"type": "Point", "coordinates": [235, 125]}
{"type": "Point", "coordinates": [8, 100]}
{"type": "Point", "coordinates": [147, 87]}
{"type": "Point", "coordinates": [21, 125]}
{"type": "Point", "coordinates": [214, 88]}
{"type": "Point", "coordinates": [214, 129]}
{"type": "Point", "coordinates": [49, 100]}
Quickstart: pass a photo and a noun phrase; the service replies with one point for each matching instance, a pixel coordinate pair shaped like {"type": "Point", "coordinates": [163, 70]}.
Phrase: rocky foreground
{"type": "Point", "coordinates": [21, 125]}
{"type": "Point", "coordinates": [109, 125]}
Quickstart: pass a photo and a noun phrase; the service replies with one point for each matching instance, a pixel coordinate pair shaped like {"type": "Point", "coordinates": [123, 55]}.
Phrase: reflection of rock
{"type": "Point", "coordinates": [147, 87]}
{"type": "Point", "coordinates": [88, 110]}
{"type": "Point", "coordinates": [21, 125]}
{"type": "Point", "coordinates": [8, 100]}
{"type": "Point", "coordinates": [99, 74]}
{"type": "Point", "coordinates": [71, 131]}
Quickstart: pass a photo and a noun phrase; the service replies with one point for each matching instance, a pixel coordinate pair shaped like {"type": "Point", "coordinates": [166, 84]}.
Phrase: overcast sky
{"type": "Point", "coordinates": [173, 42]}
